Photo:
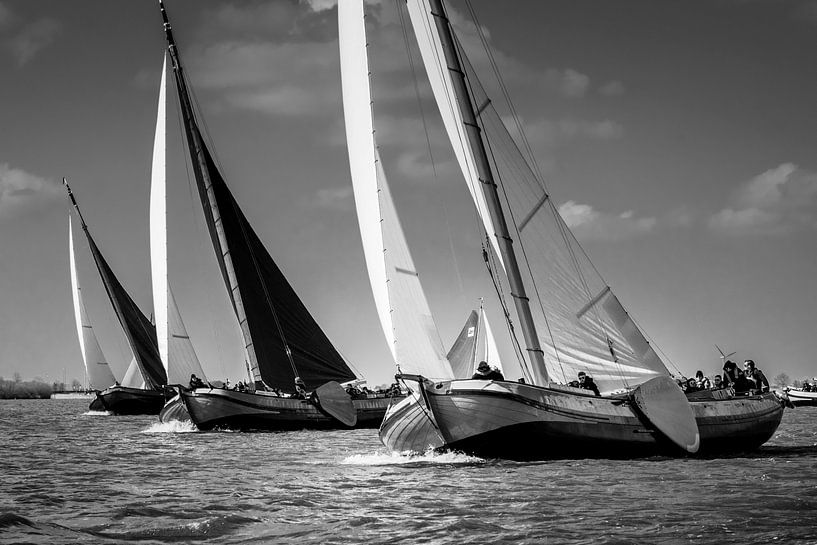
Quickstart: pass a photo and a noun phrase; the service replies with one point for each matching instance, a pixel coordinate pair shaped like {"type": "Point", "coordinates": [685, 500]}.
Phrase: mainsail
{"type": "Point", "coordinates": [580, 323]}
{"type": "Point", "coordinates": [281, 337]}
{"type": "Point", "coordinates": [401, 303]}
{"type": "Point", "coordinates": [138, 329]}
{"type": "Point", "coordinates": [99, 372]}
{"type": "Point", "coordinates": [176, 350]}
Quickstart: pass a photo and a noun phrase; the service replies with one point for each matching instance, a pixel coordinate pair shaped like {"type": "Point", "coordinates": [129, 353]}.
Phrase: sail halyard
{"type": "Point", "coordinates": [281, 337]}
{"type": "Point", "coordinates": [175, 348]}
{"type": "Point", "coordinates": [399, 297]}
{"type": "Point", "coordinates": [98, 371]}
{"type": "Point", "coordinates": [430, 21]}
{"type": "Point", "coordinates": [139, 331]}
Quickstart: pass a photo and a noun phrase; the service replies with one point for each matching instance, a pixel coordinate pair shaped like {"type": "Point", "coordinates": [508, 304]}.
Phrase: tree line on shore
{"type": "Point", "coordinates": [37, 388]}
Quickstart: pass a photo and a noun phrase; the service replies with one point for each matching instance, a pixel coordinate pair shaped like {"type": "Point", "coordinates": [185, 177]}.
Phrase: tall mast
{"type": "Point", "coordinates": [200, 166]}
{"type": "Point", "coordinates": [489, 190]}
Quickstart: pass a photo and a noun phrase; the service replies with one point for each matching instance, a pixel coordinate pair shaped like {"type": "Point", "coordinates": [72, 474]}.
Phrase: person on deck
{"type": "Point", "coordinates": [730, 373]}
{"type": "Point", "coordinates": [195, 382]}
{"type": "Point", "coordinates": [717, 383]}
{"type": "Point", "coordinates": [300, 389]}
{"type": "Point", "coordinates": [484, 372]}
{"type": "Point", "coordinates": [756, 376]}
{"type": "Point", "coordinates": [587, 383]}
{"type": "Point", "coordinates": [701, 381]}
{"type": "Point", "coordinates": [691, 386]}
{"type": "Point", "coordinates": [741, 384]}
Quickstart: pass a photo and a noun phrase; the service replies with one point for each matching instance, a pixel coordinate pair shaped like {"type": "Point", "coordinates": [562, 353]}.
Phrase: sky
{"type": "Point", "coordinates": [677, 139]}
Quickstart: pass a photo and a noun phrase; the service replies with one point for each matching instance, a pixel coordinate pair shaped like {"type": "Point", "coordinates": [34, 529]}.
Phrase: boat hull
{"type": "Point", "coordinates": [120, 400]}
{"type": "Point", "coordinates": [174, 409]}
{"type": "Point", "coordinates": [799, 398]}
{"type": "Point", "coordinates": [211, 408]}
{"type": "Point", "coordinates": [517, 421]}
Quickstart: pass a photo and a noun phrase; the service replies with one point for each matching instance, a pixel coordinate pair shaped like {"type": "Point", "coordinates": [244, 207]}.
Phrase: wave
{"type": "Point", "coordinates": [173, 426]}
{"type": "Point", "coordinates": [97, 413]}
{"type": "Point", "coordinates": [394, 458]}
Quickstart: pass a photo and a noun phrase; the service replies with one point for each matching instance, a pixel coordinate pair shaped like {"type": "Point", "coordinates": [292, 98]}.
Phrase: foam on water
{"type": "Point", "coordinates": [394, 458]}
{"type": "Point", "coordinates": [173, 426]}
{"type": "Point", "coordinates": [96, 413]}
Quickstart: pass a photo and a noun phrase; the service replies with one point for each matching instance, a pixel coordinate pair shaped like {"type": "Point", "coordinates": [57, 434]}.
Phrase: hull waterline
{"type": "Point", "coordinates": [120, 400]}
{"type": "Point", "coordinates": [212, 408]}
{"type": "Point", "coordinates": [511, 420]}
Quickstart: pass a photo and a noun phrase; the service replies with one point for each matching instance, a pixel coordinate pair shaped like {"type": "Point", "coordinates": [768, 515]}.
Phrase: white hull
{"type": "Point", "coordinates": [799, 398]}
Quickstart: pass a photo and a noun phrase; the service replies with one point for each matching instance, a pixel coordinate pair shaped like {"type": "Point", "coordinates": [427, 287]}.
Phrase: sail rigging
{"type": "Point", "coordinates": [281, 337]}
{"type": "Point", "coordinates": [401, 303]}
{"type": "Point", "coordinates": [99, 372]}
{"type": "Point", "coordinates": [580, 323]}
{"type": "Point", "coordinates": [176, 350]}
{"type": "Point", "coordinates": [139, 331]}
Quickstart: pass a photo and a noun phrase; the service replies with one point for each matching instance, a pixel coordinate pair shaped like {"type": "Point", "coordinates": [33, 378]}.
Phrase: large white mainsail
{"type": "Point", "coordinates": [401, 303]}
{"type": "Point", "coordinates": [175, 348]}
{"type": "Point", "coordinates": [99, 372]}
{"type": "Point", "coordinates": [582, 326]}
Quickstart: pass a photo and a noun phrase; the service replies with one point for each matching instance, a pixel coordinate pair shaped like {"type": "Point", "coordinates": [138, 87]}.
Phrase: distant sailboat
{"type": "Point", "coordinates": [282, 340]}
{"type": "Point", "coordinates": [571, 321]}
{"type": "Point", "coordinates": [148, 397]}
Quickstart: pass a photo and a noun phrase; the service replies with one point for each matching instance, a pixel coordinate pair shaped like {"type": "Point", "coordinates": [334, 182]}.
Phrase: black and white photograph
{"type": "Point", "coordinates": [408, 272]}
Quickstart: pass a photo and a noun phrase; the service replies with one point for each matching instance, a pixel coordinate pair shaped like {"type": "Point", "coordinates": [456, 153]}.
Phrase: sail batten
{"type": "Point", "coordinates": [281, 336]}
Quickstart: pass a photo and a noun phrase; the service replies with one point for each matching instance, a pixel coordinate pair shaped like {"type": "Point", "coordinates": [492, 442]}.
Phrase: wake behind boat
{"type": "Point", "coordinates": [569, 317]}
{"type": "Point", "coordinates": [286, 350]}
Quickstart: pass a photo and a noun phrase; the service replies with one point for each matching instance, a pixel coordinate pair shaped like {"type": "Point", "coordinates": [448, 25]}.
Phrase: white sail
{"type": "Point", "coordinates": [99, 372]}
{"type": "Point", "coordinates": [133, 376]}
{"type": "Point", "coordinates": [486, 344]}
{"type": "Point", "coordinates": [581, 325]}
{"type": "Point", "coordinates": [434, 60]}
{"type": "Point", "coordinates": [401, 303]}
{"type": "Point", "coordinates": [176, 350]}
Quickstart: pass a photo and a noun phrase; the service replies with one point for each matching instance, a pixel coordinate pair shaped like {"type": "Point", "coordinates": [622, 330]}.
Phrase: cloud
{"type": "Point", "coordinates": [340, 198]}
{"type": "Point", "coordinates": [33, 38]}
{"type": "Point", "coordinates": [590, 224]}
{"type": "Point", "coordinates": [21, 192]}
{"type": "Point", "coordinates": [780, 200]}
{"type": "Point", "coordinates": [6, 16]}
{"type": "Point", "coordinates": [612, 88]}
{"type": "Point", "coordinates": [550, 133]}
{"type": "Point", "coordinates": [569, 83]}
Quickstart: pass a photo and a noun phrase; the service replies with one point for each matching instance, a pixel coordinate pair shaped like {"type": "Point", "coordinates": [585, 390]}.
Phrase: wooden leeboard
{"type": "Point", "coordinates": [334, 401]}
{"type": "Point", "coordinates": [665, 406]}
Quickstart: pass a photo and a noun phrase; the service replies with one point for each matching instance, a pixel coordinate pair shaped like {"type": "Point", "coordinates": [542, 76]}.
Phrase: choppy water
{"type": "Point", "coordinates": [68, 476]}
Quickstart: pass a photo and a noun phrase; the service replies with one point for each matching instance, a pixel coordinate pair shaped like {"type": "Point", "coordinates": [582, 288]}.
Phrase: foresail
{"type": "Point", "coordinates": [582, 325]}
{"type": "Point", "coordinates": [433, 56]}
{"type": "Point", "coordinates": [399, 296]}
{"type": "Point", "coordinates": [99, 372]}
{"type": "Point", "coordinates": [464, 350]}
{"type": "Point", "coordinates": [274, 322]}
{"type": "Point", "coordinates": [486, 344]}
{"type": "Point", "coordinates": [133, 376]}
{"type": "Point", "coordinates": [175, 349]}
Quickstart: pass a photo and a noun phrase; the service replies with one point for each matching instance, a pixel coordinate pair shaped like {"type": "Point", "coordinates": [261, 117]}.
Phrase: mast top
{"type": "Point", "coordinates": [168, 32]}
{"type": "Point", "coordinates": [74, 202]}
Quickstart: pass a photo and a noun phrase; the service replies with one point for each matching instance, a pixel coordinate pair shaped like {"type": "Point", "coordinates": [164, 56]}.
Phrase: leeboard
{"type": "Point", "coordinates": [334, 401]}
{"type": "Point", "coordinates": [665, 406]}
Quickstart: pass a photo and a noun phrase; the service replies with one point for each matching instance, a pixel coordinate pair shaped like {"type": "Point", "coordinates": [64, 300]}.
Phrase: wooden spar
{"type": "Point", "coordinates": [472, 129]}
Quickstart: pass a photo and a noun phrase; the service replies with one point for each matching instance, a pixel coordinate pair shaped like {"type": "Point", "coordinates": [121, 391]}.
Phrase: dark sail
{"type": "Point", "coordinates": [140, 332]}
{"type": "Point", "coordinates": [281, 336]}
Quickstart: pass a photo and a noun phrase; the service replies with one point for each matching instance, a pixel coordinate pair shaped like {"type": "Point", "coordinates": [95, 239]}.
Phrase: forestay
{"type": "Point", "coordinates": [176, 350]}
{"type": "Point", "coordinates": [401, 303]}
{"type": "Point", "coordinates": [99, 372]}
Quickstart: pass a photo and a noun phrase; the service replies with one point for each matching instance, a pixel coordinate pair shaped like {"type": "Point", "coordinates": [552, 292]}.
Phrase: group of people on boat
{"type": "Point", "coordinates": [748, 380]}
{"type": "Point", "coordinates": [365, 393]}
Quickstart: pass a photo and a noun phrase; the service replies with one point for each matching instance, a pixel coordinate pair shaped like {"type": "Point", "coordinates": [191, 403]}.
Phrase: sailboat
{"type": "Point", "coordinates": [570, 318]}
{"type": "Point", "coordinates": [142, 389]}
{"type": "Point", "coordinates": [295, 370]}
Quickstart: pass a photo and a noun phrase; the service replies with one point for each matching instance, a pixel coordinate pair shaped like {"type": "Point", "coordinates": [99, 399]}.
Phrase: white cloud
{"type": "Point", "coordinates": [549, 133]}
{"type": "Point", "coordinates": [612, 88]}
{"type": "Point", "coordinates": [780, 200]}
{"type": "Point", "coordinates": [33, 38]}
{"type": "Point", "coordinates": [569, 83]}
{"type": "Point", "coordinates": [590, 224]}
{"type": "Point", "coordinates": [6, 16]}
{"type": "Point", "coordinates": [21, 191]}
{"type": "Point", "coordinates": [334, 198]}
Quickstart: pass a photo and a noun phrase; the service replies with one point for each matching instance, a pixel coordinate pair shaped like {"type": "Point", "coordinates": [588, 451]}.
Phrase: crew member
{"type": "Point", "coordinates": [484, 372]}
{"type": "Point", "coordinates": [587, 383]}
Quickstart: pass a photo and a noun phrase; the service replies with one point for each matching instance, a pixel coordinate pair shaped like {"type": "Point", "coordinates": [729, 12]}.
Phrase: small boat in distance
{"type": "Point", "coordinates": [141, 391]}
{"type": "Point", "coordinates": [295, 370]}
{"type": "Point", "coordinates": [570, 319]}
{"type": "Point", "coordinates": [802, 398]}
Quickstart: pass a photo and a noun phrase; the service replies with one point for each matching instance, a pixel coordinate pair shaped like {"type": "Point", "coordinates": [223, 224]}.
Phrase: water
{"type": "Point", "coordinates": [69, 476]}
